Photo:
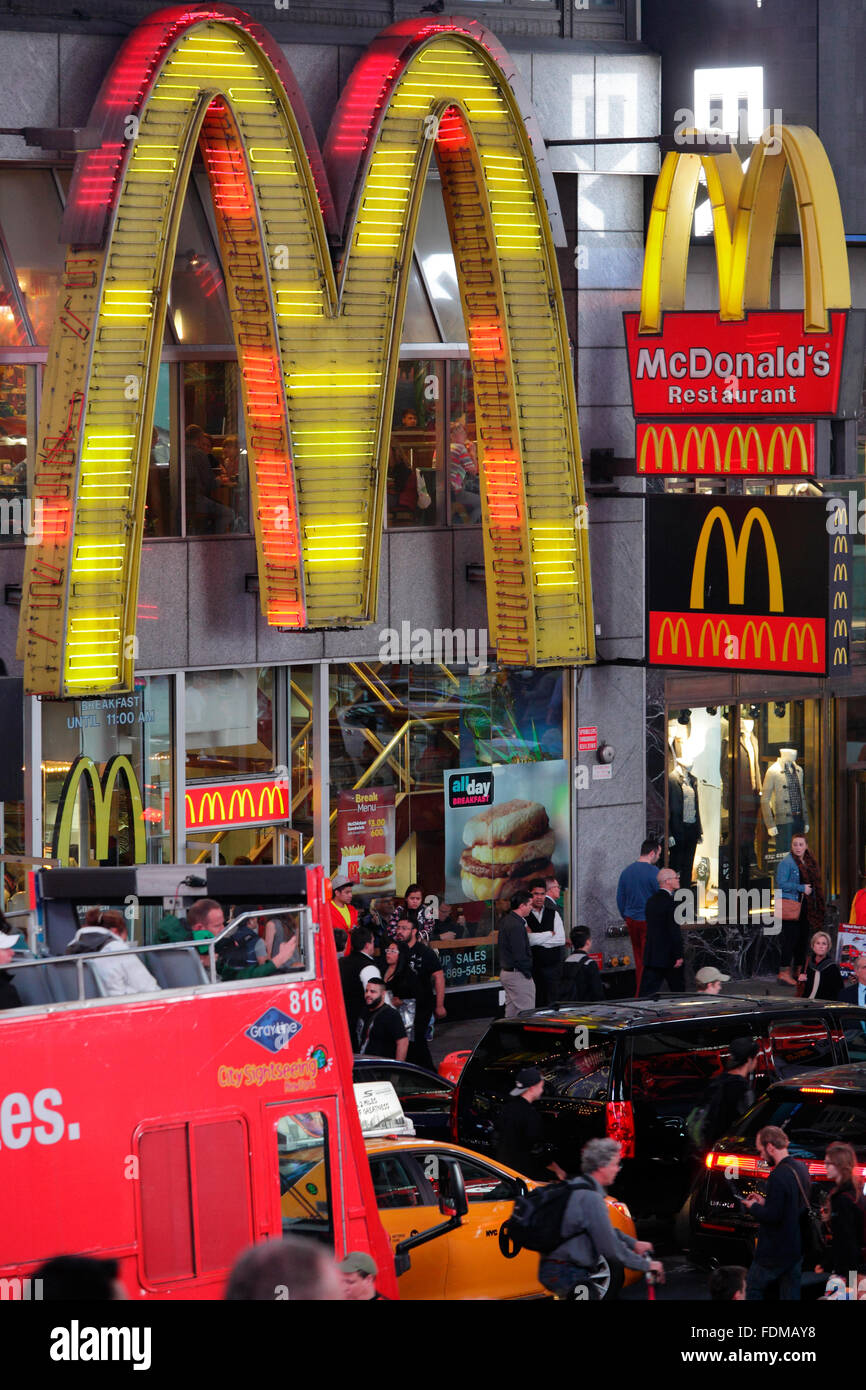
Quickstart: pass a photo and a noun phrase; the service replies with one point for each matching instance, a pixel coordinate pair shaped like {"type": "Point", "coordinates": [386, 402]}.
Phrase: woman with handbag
{"type": "Point", "coordinates": [822, 977]}
{"type": "Point", "coordinates": [844, 1214]}
{"type": "Point", "coordinates": [798, 885]}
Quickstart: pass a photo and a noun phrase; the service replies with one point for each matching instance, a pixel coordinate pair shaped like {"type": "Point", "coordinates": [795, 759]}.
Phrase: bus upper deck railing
{"type": "Point", "coordinates": [51, 981]}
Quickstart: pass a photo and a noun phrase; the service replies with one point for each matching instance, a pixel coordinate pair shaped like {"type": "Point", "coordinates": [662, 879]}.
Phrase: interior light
{"type": "Point", "coordinates": [178, 324]}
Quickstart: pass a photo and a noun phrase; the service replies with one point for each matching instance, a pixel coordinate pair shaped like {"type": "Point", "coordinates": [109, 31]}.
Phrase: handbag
{"type": "Point", "coordinates": [790, 909]}
{"type": "Point", "coordinates": [811, 1231]}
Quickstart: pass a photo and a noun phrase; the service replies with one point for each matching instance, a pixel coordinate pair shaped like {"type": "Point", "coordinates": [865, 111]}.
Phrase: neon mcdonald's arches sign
{"type": "Point", "coordinates": [317, 351]}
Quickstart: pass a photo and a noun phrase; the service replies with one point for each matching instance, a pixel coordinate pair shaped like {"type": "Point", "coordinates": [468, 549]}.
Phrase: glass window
{"type": "Point", "coordinates": [30, 218]}
{"type": "Point", "coordinates": [463, 474]}
{"type": "Point", "coordinates": [797, 1044]}
{"type": "Point", "coordinates": [13, 331]}
{"type": "Point", "coordinates": [482, 1184]}
{"type": "Point", "coordinates": [436, 259]}
{"type": "Point", "coordinates": [302, 1156]}
{"type": "Point", "coordinates": [198, 304]}
{"type": "Point", "coordinates": [418, 1091]}
{"type": "Point", "coordinates": [229, 723]}
{"type": "Point", "coordinates": [414, 473]}
{"type": "Point", "coordinates": [17, 431]}
{"type": "Point", "coordinates": [393, 1183]}
{"type": "Point", "coordinates": [162, 515]}
{"type": "Point", "coordinates": [811, 1122]}
{"type": "Point", "coordinates": [673, 1068]}
{"type": "Point", "coordinates": [567, 1068]}
{"type": "Point", "coordinates": [419, 325]}
{"type": "Point", "coordinates": [217, 481]}
{"type": "Point", "coordinates": [138, 725]}
{"type": "Point", "coordinates": [854, 1033]}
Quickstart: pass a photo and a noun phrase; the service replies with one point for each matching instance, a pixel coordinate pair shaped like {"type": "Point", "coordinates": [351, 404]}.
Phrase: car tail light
{"type": "Point", "coordinates": [619, 1119]}
{"type": "Point", "coordinates": [816, 1090]}
{"type": "Point", "coordinates": [745, 1165]}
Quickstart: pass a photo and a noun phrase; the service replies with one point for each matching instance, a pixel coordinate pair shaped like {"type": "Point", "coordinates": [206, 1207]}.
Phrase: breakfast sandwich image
{"type": "Point", "coordinates": [506, 845]}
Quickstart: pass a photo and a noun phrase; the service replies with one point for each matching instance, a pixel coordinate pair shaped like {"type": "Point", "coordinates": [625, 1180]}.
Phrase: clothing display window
{"type": "Point", "coordinates": [742, 781]}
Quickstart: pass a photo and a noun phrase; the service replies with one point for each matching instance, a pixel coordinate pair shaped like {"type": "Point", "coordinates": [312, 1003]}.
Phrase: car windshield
{"type": "Point", "coordinates": [574, 1061]}
{"type": "Point", "coordinates": [811, 1122]}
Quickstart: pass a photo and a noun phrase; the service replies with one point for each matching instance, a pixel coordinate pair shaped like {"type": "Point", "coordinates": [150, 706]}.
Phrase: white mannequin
{"type": "Point", "coordinates": [786, 755]}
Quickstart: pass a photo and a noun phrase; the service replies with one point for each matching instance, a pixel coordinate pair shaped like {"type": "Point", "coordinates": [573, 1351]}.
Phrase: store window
{"type": "Point", "coordinates": [464, 484]}
{"type": "Point", "coordinates": [215, 461]}
{"type": "Point", "coordinates": [398, 734]}
{"type": "Point", "coordinates": [199, 308]}
{"type": "Point", "coordinates": [742, 781]}
{"type": "Point", "coordinates": [108, 829]}
{"type": "Point", "coordinates": [162, 514]}
{"type": "Point", "coordinates": [415, 478]}
{"type": "Point", "coordinates": [229, 723]}
{"type": "Point", "coordinates": [17, 430]}
{"type": "Point", "coordinates": [30, 212]}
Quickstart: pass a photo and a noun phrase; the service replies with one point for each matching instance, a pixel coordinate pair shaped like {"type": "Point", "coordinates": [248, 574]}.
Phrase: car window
{"type": "Point", "coordinates": [796, 1044]}
{"type": "Point", "coordinates": [810, 1121]}
{"type": "Point", "coordinates": [393, 1183]}
{"type": "Point", "coordinates": [574, 1061]}
{"type": "Point", "coordinates": [853, 1029]}
{"type": "Point", "coordinates": [482, 1183]}
{"type": "Point", "coordinates": [418, 1091]}
{"type": "Point", "coordinates": [674, 1064]}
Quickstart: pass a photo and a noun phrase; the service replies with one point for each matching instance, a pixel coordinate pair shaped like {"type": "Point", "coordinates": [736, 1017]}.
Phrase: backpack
{"type": "Point", "coordinates": [238, 951]}
{"type": "Point", "coordinates": [536, 1222]}
{"type": "Point", "coordinates": [698, 1121]}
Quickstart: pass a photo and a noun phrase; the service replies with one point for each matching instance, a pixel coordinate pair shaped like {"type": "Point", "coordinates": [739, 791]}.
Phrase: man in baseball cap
{"type": "Point", "coordinates": [521, 1130]}
{"type": "Point", "coordinates": [9, 998]}
{"type": "Point", "coordinates": [710, 980]}
{"type": "Point", "coordinates": [358, 1272]}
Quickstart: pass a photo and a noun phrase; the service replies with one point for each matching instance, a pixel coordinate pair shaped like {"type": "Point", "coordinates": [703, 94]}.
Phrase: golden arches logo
{"type": "Point", "coordinates": [745, 209]}
{"type": "Point", "coordinates": [101, 793]}
{"type": "Point", "coordinates": [699, 438]}
{"type": "Point", "coordinates": [208, 809]}
{"type": "Point", "coordinates": [840, 573]}
{"type": "Point", "coordinates": [758, 641]}
{"type": "Point", "coordinates": [840, 656]}
{"type": "Point", "coordinates": [673, 630]}
{"type": "Point", "coordinates": [244, 801]}
{"type": "Point", "coordinates": [717, 630]}
{"type": "Point", "coordinates": [799, 634]}
{"type": "Point", "coordinates": [840, 627]}
{"type": "Point", "coordinates": [736, 553]}
{"type": "Point", "coordinates": [317, 352]}
{"type": "Point", "coordinates": [271, 792]}
{"type": "Point", "coordinates": [785, 437]}
{"type": "Point", "coordinates": [658, 438]}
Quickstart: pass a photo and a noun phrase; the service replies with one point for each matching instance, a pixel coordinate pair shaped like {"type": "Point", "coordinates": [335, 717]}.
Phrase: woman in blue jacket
{"type": "Point", "coordinates": [798, 880]}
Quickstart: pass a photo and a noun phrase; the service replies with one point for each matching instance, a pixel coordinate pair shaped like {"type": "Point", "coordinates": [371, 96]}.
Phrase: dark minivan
{"type": "Point", "coordinates": [635, 1071]}
{"type": "Point", "coordinates": [815, 1109]}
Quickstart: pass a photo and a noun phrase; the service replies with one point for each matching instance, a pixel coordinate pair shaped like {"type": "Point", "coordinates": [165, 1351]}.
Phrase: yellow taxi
{"type": "Point", "coordinates": [413, 1183]}
{"type": "Point", "coordinates": [467, 1262]}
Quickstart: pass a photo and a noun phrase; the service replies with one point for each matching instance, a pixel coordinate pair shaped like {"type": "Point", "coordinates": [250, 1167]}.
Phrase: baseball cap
{"type": "Point", "coordinates": [708, 974]}
{"type": "Point", "coordinates": [7, 940]}
{"type": "Point", "coordinates": [528, 1077]}
{"type": "Point", "coordinates": [356, 1262]}
{"type": "Point", "coordinates": [742, 1049]}
{"type": "Point", "coordinates": [338, 883]}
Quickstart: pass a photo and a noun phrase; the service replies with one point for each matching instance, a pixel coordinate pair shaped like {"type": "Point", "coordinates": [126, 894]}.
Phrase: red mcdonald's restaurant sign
{"type": "Point", "coordinates": [763, 365]}
{"type": "Point", "coordinates": [222, 805]}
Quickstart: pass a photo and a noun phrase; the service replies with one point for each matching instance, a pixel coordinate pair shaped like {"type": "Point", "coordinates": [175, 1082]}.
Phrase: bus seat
{"type": "Point", "coordinates": [177, 969]}
{"type": "Point", "coordinates": [63, 980]}
{"type": "Point", "coordinates": [32, 985]}
{"type": "Point", "coordinates": [60, 922]}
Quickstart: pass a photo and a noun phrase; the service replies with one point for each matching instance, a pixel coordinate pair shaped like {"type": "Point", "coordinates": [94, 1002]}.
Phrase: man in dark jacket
{"type": "Point", "coordinates": [779, 1252]}
{"type": "Point", "coordinates": [855, 992]}
{"type": "Point", "coordinates": [515, 957]}
{"type": "Point", "coordinates": [731, 1094]}
{"type": "Point", "coordinates": [663, 956]}
{"type": "Point", "coordinates": [8, 993]}
{"type": "Point", "coordinates": [521, 1131]}
{"type": "Point", "coordinates": [581, 978]}
{"type": "Point", "coordinates": [355, 970]}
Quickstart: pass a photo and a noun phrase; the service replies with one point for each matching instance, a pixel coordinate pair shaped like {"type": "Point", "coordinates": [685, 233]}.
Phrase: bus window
{"type": "Point", "coordinates": [305, 1186]}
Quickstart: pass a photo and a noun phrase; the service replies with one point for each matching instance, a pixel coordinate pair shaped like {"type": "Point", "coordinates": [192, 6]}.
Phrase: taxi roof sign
{"type": "Point", "coordinates": [380, 1111]}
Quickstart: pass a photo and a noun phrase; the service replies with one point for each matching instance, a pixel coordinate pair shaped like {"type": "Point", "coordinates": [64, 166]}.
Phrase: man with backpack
{"type": "Point", "coordinates": [569, 1225]}
{"type": "Point", "coordinates": [581, 977]}
{"type": "Point", "coordinates": [729, 1095]}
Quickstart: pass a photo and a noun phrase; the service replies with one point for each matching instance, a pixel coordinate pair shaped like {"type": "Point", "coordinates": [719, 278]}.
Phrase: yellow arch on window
{"type": "Point", "coordinates": [745, 210]}
{"type": "Point", "coordinates": [317, 353]}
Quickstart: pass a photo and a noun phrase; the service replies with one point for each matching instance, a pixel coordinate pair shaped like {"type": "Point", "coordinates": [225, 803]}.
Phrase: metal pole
{"type": "Point", "coordinates": [178, 819]}
{"type": "Point", "coordinates": [33, 777]}
{"type": "Point", "coordinates": [321, 766]}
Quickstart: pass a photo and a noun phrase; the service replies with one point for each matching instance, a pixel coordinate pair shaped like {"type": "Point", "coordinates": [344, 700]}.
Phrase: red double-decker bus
{"type": "Point", "coordinates": [171, 1129]}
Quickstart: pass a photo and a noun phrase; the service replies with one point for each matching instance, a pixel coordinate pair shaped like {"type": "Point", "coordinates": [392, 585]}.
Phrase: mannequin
{"type": "Point", "coordinates": [749, 792]}
{"type": "Point", "coordinates": [684, 820]}
{"type": "Point", "coordinates": [783, 801]}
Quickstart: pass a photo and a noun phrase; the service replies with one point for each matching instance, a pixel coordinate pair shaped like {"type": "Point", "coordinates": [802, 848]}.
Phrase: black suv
{"type": "Point", "coordinates": [814, 1109]}
{"type": "Point", "coordinates": [635, 1071]}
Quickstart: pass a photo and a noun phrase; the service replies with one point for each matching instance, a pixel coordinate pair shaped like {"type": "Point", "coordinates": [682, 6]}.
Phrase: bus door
{"type": "Point", "coordinates": [303, 1140]}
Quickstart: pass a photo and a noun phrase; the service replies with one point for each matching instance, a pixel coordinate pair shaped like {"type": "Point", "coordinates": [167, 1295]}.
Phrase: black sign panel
{"type": "Point", "coordinates": [748, 583]}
